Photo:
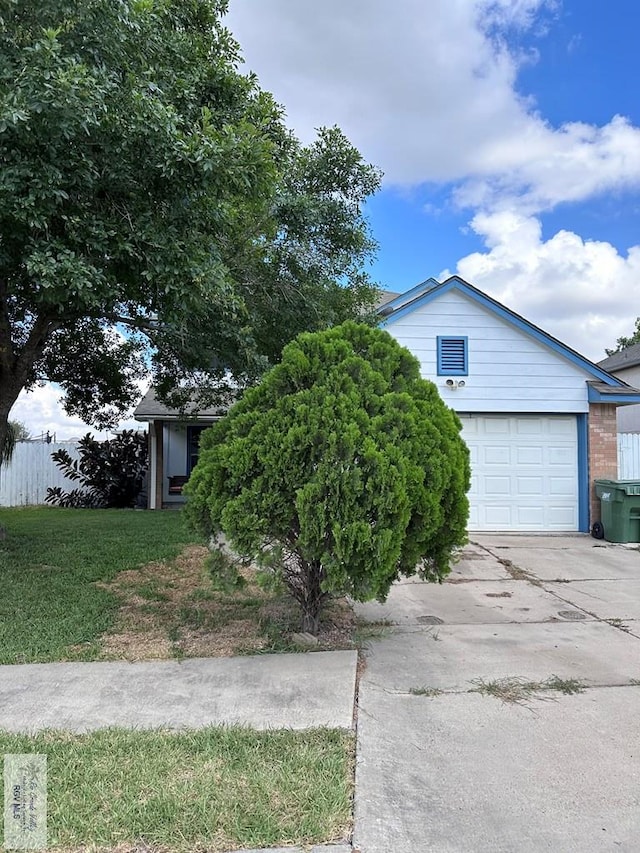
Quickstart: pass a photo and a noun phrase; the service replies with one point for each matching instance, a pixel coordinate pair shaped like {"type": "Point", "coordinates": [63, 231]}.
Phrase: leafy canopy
{"type": "Point", "coordinates": [343, 469]}
{"type": "Point", "coordinates": [624, 342]}
{"type": "Point", "coordinates": [152, 201]}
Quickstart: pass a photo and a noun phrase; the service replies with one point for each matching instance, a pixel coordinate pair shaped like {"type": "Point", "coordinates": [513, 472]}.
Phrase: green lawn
{"type": "Point", "coordinates": [215, 789]}
{"type": "Point", "coordinates": [50, 561]}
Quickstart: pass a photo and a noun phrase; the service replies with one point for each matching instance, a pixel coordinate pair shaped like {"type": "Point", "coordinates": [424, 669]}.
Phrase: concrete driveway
{"type": "Point", "coordinates": [470, 735]}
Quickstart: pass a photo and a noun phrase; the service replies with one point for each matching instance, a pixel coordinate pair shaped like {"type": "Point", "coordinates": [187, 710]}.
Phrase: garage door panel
{"type": "Point", "coordinates": [563, 516]}
{"type": "Point", "coordinates": [528, 426]}
{"type": "Point", "coordinates": [497, 455]}
{"type": "Point", "coordinates": [558, 455]}
{"type": "Point", "coordinates": [531, 517]}
{"type": "Point", "coordinates": [496, 426]}
{"type": "Point", "coordinates": [524, 472]}
{"type": "Point", "coordinates": [529, 455]}
{"type": "Point", "coordinates": [496, 487]}
{"type": "Point", "coordinates": [562, 426]}
{"type": "Point", "coordinates": [498, 516]}
{"type": "Point", "coordinates": [561, 486]}
{"type": "Point", "coordinates": [527, 486]}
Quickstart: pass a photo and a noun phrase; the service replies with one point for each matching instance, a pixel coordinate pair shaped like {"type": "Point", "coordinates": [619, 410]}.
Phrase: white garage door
{"type": "Point", "coordinates": [524, 472]}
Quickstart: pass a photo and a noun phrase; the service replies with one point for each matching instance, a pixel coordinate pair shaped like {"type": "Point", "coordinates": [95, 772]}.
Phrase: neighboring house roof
{"type": "Point", "coordinates": [430, 289]}
{"type": "Point", "coordinates": [150, 409]}
{"type": "Point", "coordinates": [384, 297]}
{"type": "Point", "coordinates": [629, 357]}
{"type": "Point", "coordinates": [403, 298]}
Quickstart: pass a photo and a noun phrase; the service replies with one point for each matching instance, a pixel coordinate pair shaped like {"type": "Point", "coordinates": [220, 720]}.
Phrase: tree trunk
{"type": "Point", "coordinates": [6, 403]}
{"type": "Point", "coordinates": [4, 429]}
{"type": "Point", "coordinates": [313, 597]}
{"type": "Point", "coordinates": [311, 623]}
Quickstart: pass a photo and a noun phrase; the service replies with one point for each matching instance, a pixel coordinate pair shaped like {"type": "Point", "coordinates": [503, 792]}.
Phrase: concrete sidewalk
{"type": "Point", "coordinates": [296, 691]}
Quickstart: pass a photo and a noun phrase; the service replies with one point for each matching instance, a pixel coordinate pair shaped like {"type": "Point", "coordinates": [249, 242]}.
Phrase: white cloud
{"type": "Point", "coordinates": [40, 410]}
{"type": "Point", "coordinates": [577, 290]}
{"type": "Point", "coordinates": [427, 91]}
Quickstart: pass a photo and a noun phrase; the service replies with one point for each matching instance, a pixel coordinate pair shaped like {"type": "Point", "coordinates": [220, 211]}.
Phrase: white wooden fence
{"type": "Point", "coordinates": [629, 456]}
{"type": "Point", "coordinates": [25, 480]}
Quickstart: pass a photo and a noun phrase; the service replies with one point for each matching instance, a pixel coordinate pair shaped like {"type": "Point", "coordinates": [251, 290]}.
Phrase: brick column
{"type": "Point", "coordinates": [603, 450]}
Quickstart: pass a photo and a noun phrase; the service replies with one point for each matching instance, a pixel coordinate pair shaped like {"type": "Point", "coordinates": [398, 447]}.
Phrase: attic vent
{"type": "Point", "coordinates": [452, 356]}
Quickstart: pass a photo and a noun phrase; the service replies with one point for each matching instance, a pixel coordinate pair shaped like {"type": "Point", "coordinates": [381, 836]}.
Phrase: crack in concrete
{"type": "Point", "coordinates": [460, 691]}
{"type": "Point", "coordinates": [593, 615]}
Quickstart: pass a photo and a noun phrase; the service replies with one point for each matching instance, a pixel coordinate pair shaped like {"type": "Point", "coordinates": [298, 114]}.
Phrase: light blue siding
{"type": "Point", "coordinates": [509, 371]}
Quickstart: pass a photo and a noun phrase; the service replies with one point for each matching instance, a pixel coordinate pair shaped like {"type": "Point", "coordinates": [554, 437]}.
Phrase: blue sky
{"type": "Point", "coordinates": [581, 66]}
{"type": "Point", "coordinates": [509, 134]}
{"type": "Point", "coordinates": [507, 131]}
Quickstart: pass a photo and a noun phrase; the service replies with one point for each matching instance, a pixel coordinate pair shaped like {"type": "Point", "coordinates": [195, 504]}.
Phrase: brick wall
{"type": "Point", "coordinates": [603, 449]}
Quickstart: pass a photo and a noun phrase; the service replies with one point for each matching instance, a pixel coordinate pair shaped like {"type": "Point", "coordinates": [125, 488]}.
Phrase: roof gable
{"type": "Point", "coordinates": [430, 290]}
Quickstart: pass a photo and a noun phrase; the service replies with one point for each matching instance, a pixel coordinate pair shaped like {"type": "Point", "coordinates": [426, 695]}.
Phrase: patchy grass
{"type": "Point", "coordinates": [517, 691]}
{"type": "Point", "coordinates": [425, 691]}
{"type": "Point", "coordinates": [209, 790]}
{"type": "Point", "coordinates": [172, 609]}
{"type": "Point", "coordinates": [120, 584]}
{"type": "Point", "coordinates": [568, 686]}
{"type": "Point", "coordinates": [519, 574]}
{"type": "Point", "coordinates": [56, 567]}
{"type": "Point", "coordinates": [366, 631]}
{"type": "Point", "coordinates": [619, 623]}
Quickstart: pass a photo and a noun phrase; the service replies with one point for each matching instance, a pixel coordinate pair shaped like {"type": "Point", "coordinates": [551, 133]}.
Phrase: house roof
{"type": "Point", "coordinates": [430, 289]}
{"type": "Point", "coordinates": [386, 308]}
{"type": "Point", "coordinates": [384, 297]}
{"type": "Point", "coordinates": [629, 357]}
{"type": "Point", "coordinates": [150, 408]}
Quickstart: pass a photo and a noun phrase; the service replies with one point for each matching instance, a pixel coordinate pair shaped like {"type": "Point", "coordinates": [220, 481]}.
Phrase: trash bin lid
{"type": "Point", "coordinates": [628, 487]}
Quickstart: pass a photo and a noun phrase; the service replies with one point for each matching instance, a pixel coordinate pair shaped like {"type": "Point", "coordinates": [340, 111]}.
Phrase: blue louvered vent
{"type": "Point", "coordinates": [452, 356]}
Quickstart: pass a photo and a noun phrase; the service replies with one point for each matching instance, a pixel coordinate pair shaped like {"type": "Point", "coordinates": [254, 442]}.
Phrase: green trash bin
{"type": "Point", "coordinates": [620, 510]}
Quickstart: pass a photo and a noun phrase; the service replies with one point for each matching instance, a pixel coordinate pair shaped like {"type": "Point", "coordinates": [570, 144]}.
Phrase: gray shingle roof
{"type": "Point", "coordinates": [150, 408]}
{"type": "Point", "coordinates": [629, 357]}
{"type": "Point", "coordinates": [384, 297]}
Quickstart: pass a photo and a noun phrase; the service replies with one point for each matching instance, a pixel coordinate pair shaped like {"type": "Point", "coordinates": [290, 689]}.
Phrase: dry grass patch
{"type": "Point", "coordinates": [517, 691]}
{"type": "Point", "coordinates": [171, 609]}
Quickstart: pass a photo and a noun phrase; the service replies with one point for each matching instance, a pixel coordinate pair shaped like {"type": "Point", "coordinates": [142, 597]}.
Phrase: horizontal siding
{"type": "Point", "coordinates": [25, 480]}
{"type": "Point", "coordinates": [630, 375]}
{"type": "Point", "coordinates": [628, 418]}
{"type": "Point", "coordinates": [509, 371]}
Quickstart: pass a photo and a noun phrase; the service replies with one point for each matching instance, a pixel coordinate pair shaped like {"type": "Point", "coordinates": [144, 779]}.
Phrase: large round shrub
{"type": "Point", "coordinates": [343, 468]}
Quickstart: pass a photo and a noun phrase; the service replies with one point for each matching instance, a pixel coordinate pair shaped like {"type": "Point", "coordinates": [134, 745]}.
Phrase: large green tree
{"type": "Point", "coordinates": [155, 212]}
{"type": "Point", "coordinates": [343, 470]}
